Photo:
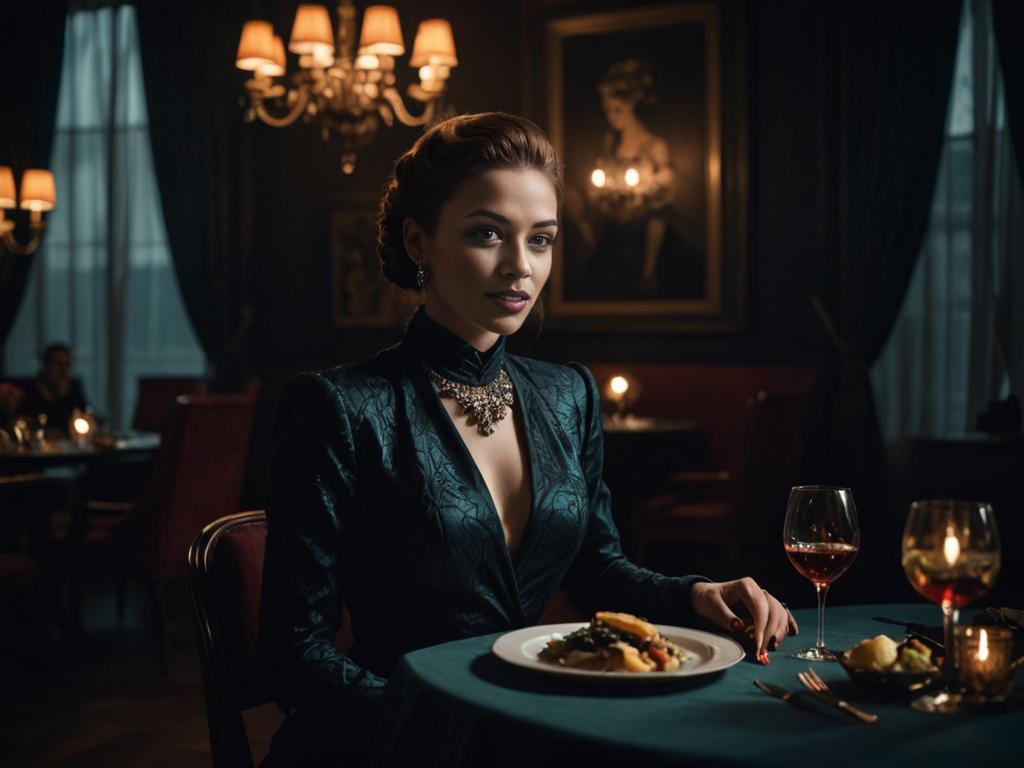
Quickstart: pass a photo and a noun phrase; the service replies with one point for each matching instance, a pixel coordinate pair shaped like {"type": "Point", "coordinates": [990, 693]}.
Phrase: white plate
{"type": "Point", "coordinates": [707, 653]}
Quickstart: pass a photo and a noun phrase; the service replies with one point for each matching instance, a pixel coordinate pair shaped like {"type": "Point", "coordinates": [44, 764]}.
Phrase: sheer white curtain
{"type": "Point", "coordinates": [959, 331]}
{"type": "Point", "coordinates": [104, 282]}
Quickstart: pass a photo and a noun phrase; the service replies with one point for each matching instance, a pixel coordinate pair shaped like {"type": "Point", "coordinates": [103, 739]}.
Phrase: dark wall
{"type": "Point", "coordinates": [297, 180]}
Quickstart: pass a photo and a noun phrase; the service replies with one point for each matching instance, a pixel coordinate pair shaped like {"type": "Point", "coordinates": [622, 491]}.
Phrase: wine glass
{"type": "Point", "coordinates": [822, 538]}
{"type": "Point", "coordinates": [951, 556]}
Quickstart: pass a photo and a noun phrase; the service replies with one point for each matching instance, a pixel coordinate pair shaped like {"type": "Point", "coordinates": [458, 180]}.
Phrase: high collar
{"type": "Point", "coordinates": [454, 358]}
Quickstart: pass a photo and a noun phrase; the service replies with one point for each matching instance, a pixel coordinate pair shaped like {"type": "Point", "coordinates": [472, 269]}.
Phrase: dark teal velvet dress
{"type": "Point", "coordinates": [376, 501]}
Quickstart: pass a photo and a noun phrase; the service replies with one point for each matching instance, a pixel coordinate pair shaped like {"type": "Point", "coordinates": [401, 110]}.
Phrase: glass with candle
{"type": "Point", "coordinates": [951, 556]}
{"type": "Point", "coordinates": [983, 660]}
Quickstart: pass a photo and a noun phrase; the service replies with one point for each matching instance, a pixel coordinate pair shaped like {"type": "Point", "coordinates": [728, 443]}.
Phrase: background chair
{"type": "Point", "coordinates": [197, 478]}
{"type": "Point", "coordinates": [156, 396]}
{"type": "Point", "coordinates": [744, 503]}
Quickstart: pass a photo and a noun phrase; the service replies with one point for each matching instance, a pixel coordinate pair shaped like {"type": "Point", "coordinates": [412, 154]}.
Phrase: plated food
{"type": "Point", "coordinates": [614, 642]}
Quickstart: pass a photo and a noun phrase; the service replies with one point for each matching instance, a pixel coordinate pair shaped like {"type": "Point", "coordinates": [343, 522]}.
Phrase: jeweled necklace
{"type": "Point", "coordinates": [486, 404]}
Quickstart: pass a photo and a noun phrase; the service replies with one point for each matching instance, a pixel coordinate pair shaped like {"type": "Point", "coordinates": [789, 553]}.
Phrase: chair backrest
{"type": "Point", "coordinates": [156, 398]}
{"type": "Point", "coordinates": [197, 476]}
{"type": "Point", "coordinates": [225, 574]}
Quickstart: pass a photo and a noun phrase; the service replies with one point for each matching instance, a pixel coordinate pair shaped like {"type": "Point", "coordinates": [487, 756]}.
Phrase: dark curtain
{"type": "Point", "coordinates": [1008, 22]}
{"type": "Point", "coordinates": [892, 74]}
{"type": "Point", "coordinates": [31, 55]}
{"type": "Point", "coordinates": [199, 144]}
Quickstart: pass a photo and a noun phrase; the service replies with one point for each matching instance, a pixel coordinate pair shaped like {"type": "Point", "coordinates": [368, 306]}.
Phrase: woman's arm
{"type": "Point", "coordinates": [311, 490]}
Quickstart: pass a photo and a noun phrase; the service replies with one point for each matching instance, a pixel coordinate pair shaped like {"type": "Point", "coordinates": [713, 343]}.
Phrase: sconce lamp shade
{"type": "Point", "coordinates": [311, 32]}
{"type": "Point", "coordinates": [7, 189]}
{"type": "Point", "coordinates": [382, 32]}
{"type": "Point", "coordinates": [38, 191]}
{"type": "Point", "coordinates": [276, 67]}
{"type": "Point", "coordinates": [256, 46]}
{"type": "Point", "coordinates": [434, 44]}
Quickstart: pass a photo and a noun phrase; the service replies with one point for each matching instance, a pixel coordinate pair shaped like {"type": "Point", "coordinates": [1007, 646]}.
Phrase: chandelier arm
{"type": "Point", "coordinates": [17, 248]}
{"type": "Point", "coordinates": [394, 98]}
{"type": "Point", "coordinates": [276, 121]}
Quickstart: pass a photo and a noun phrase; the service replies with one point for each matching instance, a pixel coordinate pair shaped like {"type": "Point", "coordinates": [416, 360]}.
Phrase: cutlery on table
{"type": "Point", "coordinates": [787, 696]}
{"type": "Point", "coordinates": [820, 690]}
{"type": "Point", "coordinates": [918, 631]}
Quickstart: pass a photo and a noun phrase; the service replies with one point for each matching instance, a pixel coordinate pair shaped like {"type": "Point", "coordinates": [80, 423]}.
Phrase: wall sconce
{"type": "Point", "coordinates": [38, 195]}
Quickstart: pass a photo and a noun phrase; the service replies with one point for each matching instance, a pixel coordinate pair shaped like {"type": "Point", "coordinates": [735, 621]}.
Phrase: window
{"type": "Point", "coordinates": [103, 281]}
{"type": "Point", "coordinates": [941, 363]}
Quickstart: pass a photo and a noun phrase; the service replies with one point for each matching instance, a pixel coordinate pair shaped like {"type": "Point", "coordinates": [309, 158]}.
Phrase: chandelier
{"type": "Point", "coordinates": [38, 195]}
{"type": "Point", "coordinates": [347, 89]}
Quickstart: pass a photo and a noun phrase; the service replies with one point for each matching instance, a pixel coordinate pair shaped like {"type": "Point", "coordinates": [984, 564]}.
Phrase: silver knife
{"type": "Point", "coordinates": [787, 696]}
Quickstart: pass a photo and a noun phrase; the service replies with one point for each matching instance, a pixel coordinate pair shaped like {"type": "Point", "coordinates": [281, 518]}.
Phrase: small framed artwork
{"type": "Point", "coordinates": [360, 296]}
{"type": "Point", "coordinates": [646, 108]}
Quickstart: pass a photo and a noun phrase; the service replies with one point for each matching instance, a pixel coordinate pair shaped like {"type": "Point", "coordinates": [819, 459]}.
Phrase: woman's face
{"type": "Point", "coordinates": [490, 255]}
{"type": "Point", "coordinates": [617, 110]}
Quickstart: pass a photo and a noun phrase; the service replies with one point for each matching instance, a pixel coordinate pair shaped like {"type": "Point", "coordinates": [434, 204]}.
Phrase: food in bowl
{"type": "Point", "coordinates": [614, 642]}
{"type": "Point", "coordinates": [887, 666]}
{"type": "Point", "coordinates": [883, 654]}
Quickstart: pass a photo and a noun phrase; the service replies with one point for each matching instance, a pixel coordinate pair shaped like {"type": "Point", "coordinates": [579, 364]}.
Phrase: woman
{"type": "Point", "coordinates": [443, 488]}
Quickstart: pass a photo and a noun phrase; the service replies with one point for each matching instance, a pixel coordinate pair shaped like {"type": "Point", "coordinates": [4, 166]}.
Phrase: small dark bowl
{"type": "Point", "coordinates": [889, 682]}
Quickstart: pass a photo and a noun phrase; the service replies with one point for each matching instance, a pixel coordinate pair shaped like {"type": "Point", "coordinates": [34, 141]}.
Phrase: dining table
{"type": "Point", "coordinates": [457, 704]}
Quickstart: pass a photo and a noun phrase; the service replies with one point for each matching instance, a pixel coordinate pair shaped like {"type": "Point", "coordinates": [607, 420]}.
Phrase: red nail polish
{"type": "Point", "coordinates": [762, 656]}
{"type": "Point", "coordinates": [735, 626]}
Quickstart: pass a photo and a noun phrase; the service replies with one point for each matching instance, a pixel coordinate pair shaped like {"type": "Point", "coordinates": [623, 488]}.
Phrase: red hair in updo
{"type": "Point", "coordinates": [447, 154]}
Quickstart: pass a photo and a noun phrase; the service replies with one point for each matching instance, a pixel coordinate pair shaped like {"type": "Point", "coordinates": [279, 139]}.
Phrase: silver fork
{"type": "Point", "coordinates": [820, 689]}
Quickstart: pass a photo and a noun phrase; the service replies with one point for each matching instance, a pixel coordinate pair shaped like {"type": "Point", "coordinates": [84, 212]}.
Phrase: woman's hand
{"type": "Point", "coordinates": [714, 601]}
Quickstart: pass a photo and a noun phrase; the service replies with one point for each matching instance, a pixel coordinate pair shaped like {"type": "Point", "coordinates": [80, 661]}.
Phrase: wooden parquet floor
{"type": "Point", "coordinates": [101, 701]}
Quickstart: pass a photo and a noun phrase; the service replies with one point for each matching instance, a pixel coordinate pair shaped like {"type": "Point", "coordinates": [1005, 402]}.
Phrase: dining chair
{"type": "Point", "coordinates": [225, 574]}
{"type": "Point", "coordinates": [727, 508]}
{"type": "Point", "coordinates": [156, 396]}
{"type": "Point", "coordinates": [197, 478]}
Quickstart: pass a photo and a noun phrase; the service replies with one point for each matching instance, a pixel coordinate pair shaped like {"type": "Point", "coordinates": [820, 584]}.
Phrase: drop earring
{"type": "Point", "coordinates": [421, 276]}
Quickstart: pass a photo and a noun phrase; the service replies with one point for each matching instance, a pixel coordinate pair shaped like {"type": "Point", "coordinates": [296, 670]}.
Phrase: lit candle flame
{"type": "Point", "coordinates": [983, 646]}
{"type": "Point", "coordinates": [598, 178]}
{"type": "Point", "coordinates": [951, 546]}
{"type": "Point", "coordinates": [619, 385]}
{"type": "Point", "coordinates": [632, 177]}
{"type": "Point", "coordinates": [81, 426]}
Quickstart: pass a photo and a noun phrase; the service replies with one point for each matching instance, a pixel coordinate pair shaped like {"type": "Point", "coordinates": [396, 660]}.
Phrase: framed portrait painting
{"type": "Point", "coordinates": [646, 108]}
{"type": "Point", "coordinates": [360, 296]}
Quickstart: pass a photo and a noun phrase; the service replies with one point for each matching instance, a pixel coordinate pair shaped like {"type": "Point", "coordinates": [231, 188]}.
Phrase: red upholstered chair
{"type": "Point", "coordinates": [197, 478]}
{"type": "Point", "coordinates": [225, 574]}
{"type": "Point", "coordinates": [743, 503]}
{"type": "Point", "coordinates": [156, 397]}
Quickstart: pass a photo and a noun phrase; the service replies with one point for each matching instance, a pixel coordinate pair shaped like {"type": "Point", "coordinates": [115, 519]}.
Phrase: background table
{"type": "Point", "coordinates": [457, 705]}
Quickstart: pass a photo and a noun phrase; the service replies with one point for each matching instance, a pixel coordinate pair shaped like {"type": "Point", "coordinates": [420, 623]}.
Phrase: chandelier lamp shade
{"type": "Point", "coordinates": [344, 85]}
{"type": "Point", "coordinates": [38, 195]}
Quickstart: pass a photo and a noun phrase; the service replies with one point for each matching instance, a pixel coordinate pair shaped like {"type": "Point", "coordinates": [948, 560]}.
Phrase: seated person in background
{"type": "Point", "coordinates": [54, 393]}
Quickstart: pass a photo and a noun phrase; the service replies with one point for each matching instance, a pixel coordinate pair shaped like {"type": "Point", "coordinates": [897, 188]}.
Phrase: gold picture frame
{"type": "Point", "coordinates": [656, 92]}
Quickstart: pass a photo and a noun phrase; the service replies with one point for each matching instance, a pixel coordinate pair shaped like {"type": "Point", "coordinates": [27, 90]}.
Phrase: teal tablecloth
{"type": "Point", "coordinates": [457, 705]}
